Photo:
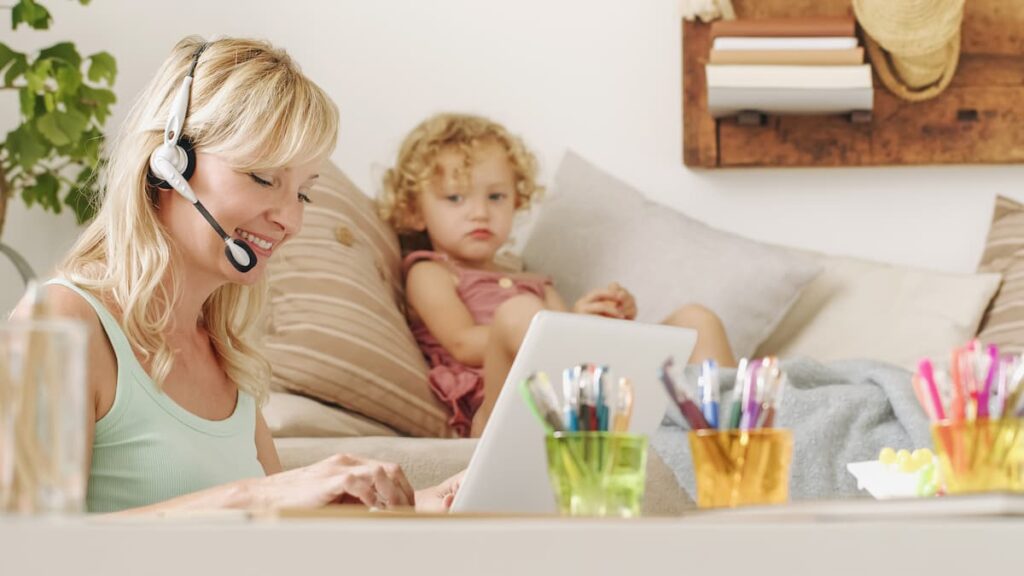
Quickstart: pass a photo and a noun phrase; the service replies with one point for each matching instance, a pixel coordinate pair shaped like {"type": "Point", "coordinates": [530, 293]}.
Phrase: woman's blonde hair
{"type": "Point", "coordinates": [417, 163]}
{"type": "Point", "coordinates": [251, 106]}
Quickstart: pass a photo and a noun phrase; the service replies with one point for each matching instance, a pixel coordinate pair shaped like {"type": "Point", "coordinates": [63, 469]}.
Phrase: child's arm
{"type": "Point", "coordinates": [430, 291]}
{"type": "Point", "coordinates": [553, 300]}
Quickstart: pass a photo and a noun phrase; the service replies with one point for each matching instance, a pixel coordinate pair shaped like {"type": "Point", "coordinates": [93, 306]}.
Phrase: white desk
{"type": "Point", "coordinates": [698, 545]}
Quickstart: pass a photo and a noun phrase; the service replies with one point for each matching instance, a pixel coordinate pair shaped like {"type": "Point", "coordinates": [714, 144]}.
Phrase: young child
{"type": "Point", "coordinates": [456, 187]}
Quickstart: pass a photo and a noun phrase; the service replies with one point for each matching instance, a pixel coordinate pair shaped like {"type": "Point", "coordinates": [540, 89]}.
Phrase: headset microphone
{"type": "Point", "coordinates": [172, 164]}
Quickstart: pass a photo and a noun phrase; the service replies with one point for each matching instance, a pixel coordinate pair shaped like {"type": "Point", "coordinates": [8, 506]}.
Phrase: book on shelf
{"type": "Point", "coordinates": [732, 101]}
{"type": "Point", "coordinates": [802, 57]}
{"type": "Point", "coordinates": [774, 89]}
{"type": "Point", "coordinates": [784, 43]}
{"type": "Point", "coordinates": [810, 26]}
{"type": "Point", "coordinates": [771, 76]}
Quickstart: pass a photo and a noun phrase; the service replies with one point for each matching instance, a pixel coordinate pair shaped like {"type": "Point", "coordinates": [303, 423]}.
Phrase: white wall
{"type": "Point", "coordinates": [600, 76]}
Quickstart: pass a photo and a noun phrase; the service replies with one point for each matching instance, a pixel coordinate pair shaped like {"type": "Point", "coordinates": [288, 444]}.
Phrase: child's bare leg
{"type": "Point", "coordinates": [711, 340]}
{"type": "Point", "coordinates": [511, 320]}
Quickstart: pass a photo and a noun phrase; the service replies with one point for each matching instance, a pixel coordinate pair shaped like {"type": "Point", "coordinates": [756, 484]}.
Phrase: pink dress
{"type": "Point", "coordinates": [461, 387]}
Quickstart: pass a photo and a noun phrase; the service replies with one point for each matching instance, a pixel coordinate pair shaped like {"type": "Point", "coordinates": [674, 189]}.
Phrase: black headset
{"type": "Point", "coordinates": [173, 163]}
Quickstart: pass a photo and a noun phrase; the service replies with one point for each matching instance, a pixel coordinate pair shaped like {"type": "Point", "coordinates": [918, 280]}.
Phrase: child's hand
{"type": "Point", "coordinates": [627, 303]}
{"type": "Point", "coordinates": [612, 302]}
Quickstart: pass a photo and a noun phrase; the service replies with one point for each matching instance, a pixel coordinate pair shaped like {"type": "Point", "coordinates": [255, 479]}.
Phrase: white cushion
{"type": "Point", "coordinates": [595, 229]}
{"type": "Point", "coordinates": [862, 309]}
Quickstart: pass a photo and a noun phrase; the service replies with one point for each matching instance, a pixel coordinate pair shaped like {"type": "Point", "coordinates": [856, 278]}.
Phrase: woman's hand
{"type": "Point", "coordinates": [339, 479]}
{"type": "Point", "coordinates": [614, 301]}
{"type": "Point", "coordinates": [439, 498]}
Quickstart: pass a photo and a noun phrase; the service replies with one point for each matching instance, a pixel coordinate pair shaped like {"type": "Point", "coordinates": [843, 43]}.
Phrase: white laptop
{"type": "Point", "coordinates": [508, 470]}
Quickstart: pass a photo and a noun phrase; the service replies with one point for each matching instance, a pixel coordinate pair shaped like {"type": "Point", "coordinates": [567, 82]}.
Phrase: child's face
{"type": "Point", "coordinates": [468, 211]}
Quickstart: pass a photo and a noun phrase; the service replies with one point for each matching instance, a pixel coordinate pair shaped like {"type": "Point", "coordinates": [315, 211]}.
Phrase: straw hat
{"type": "Point", "coordinates": [707, 10]}
{"type": "Point", "coordinates": [913, 44]}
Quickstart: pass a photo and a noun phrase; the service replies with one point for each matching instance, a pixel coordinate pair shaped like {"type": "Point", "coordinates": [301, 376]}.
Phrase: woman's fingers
{"type": "Point", "coordinates": [389, 490]}
{"type": "Point", "coordinates": [375, 484]}
{"type": "Point", "coordinates": [397, 476]}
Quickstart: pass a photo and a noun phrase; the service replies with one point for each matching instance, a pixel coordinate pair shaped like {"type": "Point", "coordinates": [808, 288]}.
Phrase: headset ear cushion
{"type": "Point", "coordinates": [185, 143]}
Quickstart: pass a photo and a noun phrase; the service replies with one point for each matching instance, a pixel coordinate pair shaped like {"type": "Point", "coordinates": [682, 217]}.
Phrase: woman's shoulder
{"type": "Point", "coordinates": [59, 300]}
{"type": "Point", "coordinates": [62, 301]}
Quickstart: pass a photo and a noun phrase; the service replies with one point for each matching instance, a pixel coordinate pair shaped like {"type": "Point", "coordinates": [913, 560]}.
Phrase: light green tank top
{"type": "Point", "coordinates": [148, 448]}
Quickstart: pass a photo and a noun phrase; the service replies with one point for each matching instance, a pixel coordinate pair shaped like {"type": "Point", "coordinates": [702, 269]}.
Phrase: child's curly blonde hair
{"type": "Point", "coordinates": [417, 161]}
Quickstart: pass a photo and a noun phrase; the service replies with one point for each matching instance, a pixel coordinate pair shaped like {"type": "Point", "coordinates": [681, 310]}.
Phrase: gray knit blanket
{"type": "Point", "coordinates": [839, 412]}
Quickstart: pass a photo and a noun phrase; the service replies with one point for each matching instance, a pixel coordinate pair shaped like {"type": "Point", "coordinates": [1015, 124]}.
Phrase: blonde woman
{"type": "Point", "coordinates": [174, 379]}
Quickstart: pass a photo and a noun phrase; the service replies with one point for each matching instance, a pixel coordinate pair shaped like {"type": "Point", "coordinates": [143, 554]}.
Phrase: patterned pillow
{"type": "Point", "coordinates": [335, 328]}
{"type": "Point", "coordinates": [1003, 323]}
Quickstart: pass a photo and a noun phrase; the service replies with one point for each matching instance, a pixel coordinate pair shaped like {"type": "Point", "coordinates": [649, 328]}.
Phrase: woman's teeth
{"type": "Point", "coordinates": [259, 242]}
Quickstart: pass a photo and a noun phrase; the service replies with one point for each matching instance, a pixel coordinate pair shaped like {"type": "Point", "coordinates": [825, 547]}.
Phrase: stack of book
{"type": "Point", "coordinates": [787, 66]}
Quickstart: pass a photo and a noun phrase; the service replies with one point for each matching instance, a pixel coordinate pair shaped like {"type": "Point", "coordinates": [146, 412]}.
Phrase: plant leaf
{"type": "Point", "coordinates": [27, 98]}
{"type": "Point", "coordinates": [68, 81]}
{"type": "Point", "coordinates": [37, 74]}
{"type": "Point", "coordinates": [6, 55]}
{"type": "Point", "coordinates": [102, 65]}
{"type": "Point", "coordinates": [49, 126]}
{"type": "Point", "coordinates": [87, 149]}
{"type": "Point", "coordinates": [72, 123]}
{"type": "Point", "coordinates": [18, 67]}
{"type": "Point", "coordinates": [30, 13]}
{"type": "Point", "coordinates": [98, 100]}
{"type": "Point", "coordinates": [65, 51]}
{"type": "Point", "coordinates": [83, 198]}
{"type": "Point", "coordinates": [44, 191]}
{"type": "Point", "coordinates": [26, 145]}
{"type": "Point", "coordinates": [62, 128]}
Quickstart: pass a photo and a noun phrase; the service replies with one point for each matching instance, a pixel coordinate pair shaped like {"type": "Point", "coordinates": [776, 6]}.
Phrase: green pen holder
{"type": "Point", "coordinates": [597, 473]}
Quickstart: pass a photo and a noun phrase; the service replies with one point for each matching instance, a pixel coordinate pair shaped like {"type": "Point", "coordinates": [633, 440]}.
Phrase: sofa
{"type": "Point", "coordinates": [348, 377]}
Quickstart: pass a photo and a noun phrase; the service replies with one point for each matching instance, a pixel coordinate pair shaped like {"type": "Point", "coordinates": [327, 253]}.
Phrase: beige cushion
{"type": "Point", "coordinates": [862, 309]}
{"type": "Point", "coordinates": [1003, 323]}
{"type": "Point", "coordinates": [291, 415]}
{"type": "Point", "coordinates": [335, 331]}
{"type": "Point", "coordinates": [596, 229]}
{"type": "Point", "coordinates": [427, 461]}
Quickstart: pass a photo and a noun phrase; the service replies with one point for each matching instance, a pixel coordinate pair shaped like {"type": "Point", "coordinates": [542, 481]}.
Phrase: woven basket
{"type": "Point", "coordinates": [913, 44]}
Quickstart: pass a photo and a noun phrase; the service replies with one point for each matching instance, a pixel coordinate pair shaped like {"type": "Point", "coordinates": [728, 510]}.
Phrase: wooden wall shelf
{"type": "Point", "coordinates": [978, 119]}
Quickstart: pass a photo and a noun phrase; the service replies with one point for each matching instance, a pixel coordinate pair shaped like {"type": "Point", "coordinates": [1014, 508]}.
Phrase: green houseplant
{"type": "Point", "coordinates": [52, 156]}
